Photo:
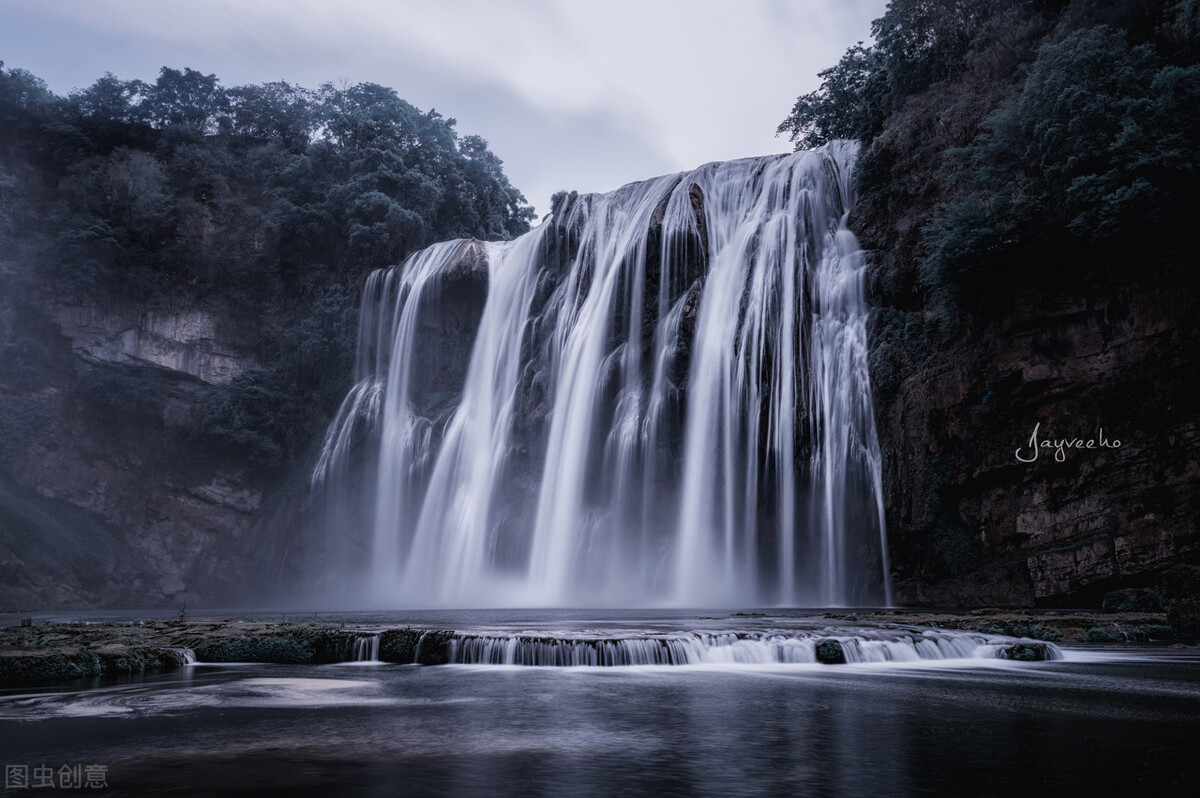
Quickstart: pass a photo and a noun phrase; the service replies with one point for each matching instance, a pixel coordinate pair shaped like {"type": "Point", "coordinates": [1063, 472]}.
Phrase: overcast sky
{"type": "Point", "coordinates": [570, 94]}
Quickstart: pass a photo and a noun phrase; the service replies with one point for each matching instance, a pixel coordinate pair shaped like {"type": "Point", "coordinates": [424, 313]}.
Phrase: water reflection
{"type": "Point", "coordinates": [1070, 726]}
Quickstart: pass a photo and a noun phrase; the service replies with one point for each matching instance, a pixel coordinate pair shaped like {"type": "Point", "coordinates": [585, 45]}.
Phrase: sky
{"type": "Point", "coordinates": [570, 94]}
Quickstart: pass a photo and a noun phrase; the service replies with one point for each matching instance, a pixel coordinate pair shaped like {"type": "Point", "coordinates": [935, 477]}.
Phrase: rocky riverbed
{"type": "Point", "coordinates": [40, 651]}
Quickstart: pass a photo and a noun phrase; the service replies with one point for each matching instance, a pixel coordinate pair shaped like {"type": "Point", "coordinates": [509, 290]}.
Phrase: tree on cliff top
{"type": "Point", "coordinates": [267, 202]}
{"type": "Point", "coordinates": [1009, 132]}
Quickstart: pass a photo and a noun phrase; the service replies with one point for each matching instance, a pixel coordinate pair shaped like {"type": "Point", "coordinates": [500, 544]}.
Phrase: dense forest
{"type": "Point", "coordinates": [1028, 178]}
{"type": "Point", "coordinates": [265, 203]}
{"type": "Point", "coordinates": [1014, 140]}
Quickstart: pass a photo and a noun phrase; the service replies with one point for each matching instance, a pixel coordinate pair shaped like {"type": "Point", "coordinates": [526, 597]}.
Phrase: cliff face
{"type": "Point", "coordinates": [977, 515]}
{"type": "Point", "coordinates": [105, 464]}
{"type": "Point", "coordinates": [113, 497]}
{"type": "Point", "coordinates": [1018, 287]}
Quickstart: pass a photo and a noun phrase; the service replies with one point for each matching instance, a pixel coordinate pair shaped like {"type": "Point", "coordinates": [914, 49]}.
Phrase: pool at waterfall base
{"type": "Point", "coordinates": [739, 705]}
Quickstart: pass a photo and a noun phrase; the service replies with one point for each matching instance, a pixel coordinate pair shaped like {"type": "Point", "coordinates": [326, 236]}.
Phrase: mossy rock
{"type": "Point", "coordinates": [1133, 599]}
{"type": "Point", "coordinates": [830, 652]}
{"type": "Point", "coordinates": [1034, 631]}
{"type": "Point", "coordinates": [424, 647]}
{"type": "Point", "coordinates": [1157, 631]}
{"type": "Point", "coordinates": [328, 645]}
{"type": "Point", "coordinates": [1180, 586]}
{"type": "Point", "coordinates": [1027, 652]}
{"type": "Point", "coordinates": [35, 668]}
{"type": "Point", "coordinates": [433, 648]}
{"type": "Point", "coordinates": [281, 650]}
{"type": "Point", "coordinates": [122, 659]}
{"type": "Point", "coordinates": [399, 645]}
{"type": "Point", "coordinates": [1098, 634]}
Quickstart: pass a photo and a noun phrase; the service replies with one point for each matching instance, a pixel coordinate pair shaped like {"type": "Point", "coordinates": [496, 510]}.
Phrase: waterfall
{"type": "Point", "coordinates": [658, 396]}
{"type": "Point", "coordinates": [366, 649]}
{"type": "Point", "coordinates": [759, 648]}
{"type": "Point", "coordinates": [185, 656]}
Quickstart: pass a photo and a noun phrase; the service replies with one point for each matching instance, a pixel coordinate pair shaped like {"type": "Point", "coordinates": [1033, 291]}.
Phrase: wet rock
{"type": "Point", "coordinates": [972, 525]}
{"type": "Point", "coordinates": [282, 650]}
{"type": "Point", "coordinates": [830, 652]}
{"type": "Point", "coordinates": [36, 667]}
{"type": "Point", "coordinates": [1098, 634]}
{"type": "Point", "coordinates": [189, 342]}
{"type": "Point", "coordinates": [1028, 652]}
{"type": "Point", "coordinates": [407, 646]}
{"type": "Point", "coordinates": [1180, 587]}
{"type": "Point", "coordinates": [1032, 630]}
{"type": "Point", "coordinates": [399, 645]}
{"type": "Point", "coordinates": [1133, 599]}
{"type": "Point", "coordinates": [126, 659]}
{"type": "Point", "coordinates": [1157, 632]}
{"type": "Point", "coordinates": [448, 319]}
{"type": "Point", "coordinates": [433, 648]}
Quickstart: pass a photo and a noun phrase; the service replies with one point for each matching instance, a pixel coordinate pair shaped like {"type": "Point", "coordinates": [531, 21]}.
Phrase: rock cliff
{"type": "Point", "coordinates": [977, 513]}
{"type": "Point", "coordinates": [110, 494]}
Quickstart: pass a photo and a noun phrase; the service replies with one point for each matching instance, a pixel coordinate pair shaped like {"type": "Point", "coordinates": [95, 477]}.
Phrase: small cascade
{"type": "Point", "coordinates": [366, 649]}
{"type": "Point", "coordinates": [185, 655]}
{"type": "Point", "coordinates": [745, 648]}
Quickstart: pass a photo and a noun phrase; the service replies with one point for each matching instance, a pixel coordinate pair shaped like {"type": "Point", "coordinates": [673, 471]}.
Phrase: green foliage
{"type": "Point", "coordinates": [1099, 149]}
{"type": "Point", "coordinates": [185, 98]}
{"type": "Point", "coordinates": [267, 204]}
{"type": "Point", "coordinates": [917, 43]}
{"type": "Point", "coordinates": [922, 42]}
{"type": "Point", "coordinates": [260, 414]}
{"type": "Point", "coordinates": [1157, 631]}
{"type": "Point", "coordinates": [1133, 600]}
{"type": "Point", "coordinates": [1016, 144]}
{"type": "Point", "coordinates": [1034, 631]}
{"type": "Point", "coordinates": [1100, 634]}
{"type": "Point", "coordinates": [115, 398]}
{"type": "Point", "coordinates": [24, 97]}
{"type": "Point", "coordinates": [851, 103]}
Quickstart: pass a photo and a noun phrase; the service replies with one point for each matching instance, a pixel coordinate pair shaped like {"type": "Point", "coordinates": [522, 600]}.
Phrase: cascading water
{"type": "Point", "coordinates": [665, 400]}
{"type": "Point", "coordinates": [366, 649]}
{"type": "Point", "coordinates": [741, 647]}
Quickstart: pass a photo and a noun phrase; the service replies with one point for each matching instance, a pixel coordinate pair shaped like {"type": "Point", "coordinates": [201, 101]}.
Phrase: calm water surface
{"type": "Point", "coordinates": [1099, 721]}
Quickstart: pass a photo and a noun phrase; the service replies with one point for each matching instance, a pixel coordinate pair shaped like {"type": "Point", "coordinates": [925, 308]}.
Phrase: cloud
{"type": "Point", "coordinates": [569, 94]}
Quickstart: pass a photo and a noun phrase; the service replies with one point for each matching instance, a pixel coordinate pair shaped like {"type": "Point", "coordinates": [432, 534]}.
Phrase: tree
{"type": "Point", "coordinates": [272, 111]}
{"type": "Point", "coordinates": [265, 203]}
{"type": "Point", "coordinates": [851, 103]}
{"type": "Point", "coordinates": [110, 101]}
{"type": "Point", "coordinates": [1100, 148]}
{"type": "Point", "coordinates": [917, 43]}
{"type": "Point", "coordinates": [185, 98]}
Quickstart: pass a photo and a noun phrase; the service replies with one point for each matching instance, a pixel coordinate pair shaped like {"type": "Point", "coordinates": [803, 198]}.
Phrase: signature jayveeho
{"type": "Point", "coordinates": [1060, 447]}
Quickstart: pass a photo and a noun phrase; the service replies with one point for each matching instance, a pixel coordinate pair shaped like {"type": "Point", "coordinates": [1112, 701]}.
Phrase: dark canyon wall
{"type": "Point", "coordinates": [972, 524]}
{"type": "Point", "coordinates": [1023, 194]}
{"type": "Point", "coordinates": [110, 496]}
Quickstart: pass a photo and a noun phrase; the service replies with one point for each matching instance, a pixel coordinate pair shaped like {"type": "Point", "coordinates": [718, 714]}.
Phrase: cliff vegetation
{"type": "Point", "coordinates": [1026, 188]}
{"type": "Point", "coordinates": [179, 268]}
